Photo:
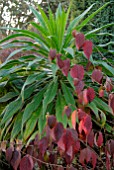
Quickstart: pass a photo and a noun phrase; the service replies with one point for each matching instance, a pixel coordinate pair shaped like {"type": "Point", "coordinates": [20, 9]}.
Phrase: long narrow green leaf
{"type": "Point", "coordinates": [68, 96]}
{"type": "Point", "coordinates": [50, 94]}
{"type": "Point", "coordinates": [8, 96]}
{"type": "Point", "coordinates": [60, 104]}
{"type": "Point", "coordinates": [17, 126]}
{"type": "Point", "coordinates": [11, 109]}
{"type": "Point", "coordinates": [31, 107]}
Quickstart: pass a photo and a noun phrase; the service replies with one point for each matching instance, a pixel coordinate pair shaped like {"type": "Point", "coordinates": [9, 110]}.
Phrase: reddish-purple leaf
{"type": "Point", "coordinates": [111, 102]}
{"type": "Point", "coordinates": [60, 62]}
{"type": "Point", "coordinates": [88, 95]}
{"type": "Point", "coordinates": [97, 76]}
{"type": "Point", "coordinates": [87, 155]}
{"type": "Point", "coordinates": [66, 67]}
{"type": "Point", "coordinates": [67, 111]}
{"type": "Point", "coordinates": [87, 48]}
{"type": "Point", "coordinates": [108, 85]}
{"type": "Point", "coordinates": [43, 144]}
{"type": "Point", "coordinates": [77, 71]}
{"type": "Point", "coordinates": [51, 121]}
{"type": "Point", "coordinates": [30, 149]}
{"type": "Point", "coordinates": [9, 153]}
{"type": "Point", "coordinates": [74, 32]}
{"type": "Point", "coordinates": [73, 118]}
{"type": "Point", "coordinates": [26, 163]}
{"type": "Point", "coordinates": [98, 139]}
{"type": "Point", "coordinates": [85, 125]}
{"type": "Point", "coordinates": [58, 131]}
{"type": "Point", "coordinates": [101, 93]}
{"type": "Point", "coordinates": [79, 85]}
{"type": "Point", "coordinates": [90, 138]}
{"type": "Point", "coordinates": [79, 39]}
{"type": "Point", "coordinates": [81, 114]}
{"type": "Point", "coordinates": [16, 158]}
{"type": "Point", "coordinates": [52, 54]}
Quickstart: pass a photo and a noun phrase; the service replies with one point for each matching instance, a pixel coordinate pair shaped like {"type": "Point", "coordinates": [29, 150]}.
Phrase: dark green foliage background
{"type": "Point", "coordinates": [104, 17]}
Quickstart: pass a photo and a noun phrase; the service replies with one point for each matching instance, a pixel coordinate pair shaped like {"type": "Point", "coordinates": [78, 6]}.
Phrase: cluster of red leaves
{"type": "Point", "coordinates": [67, 143]}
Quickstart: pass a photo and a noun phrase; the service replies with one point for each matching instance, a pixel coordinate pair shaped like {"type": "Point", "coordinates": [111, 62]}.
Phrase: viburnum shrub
{"type": "Point", "coordinates": [83, 141]}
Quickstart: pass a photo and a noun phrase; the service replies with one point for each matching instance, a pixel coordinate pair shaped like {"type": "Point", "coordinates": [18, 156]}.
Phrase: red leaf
{"type": "Point", "coordinates": [98, 140]}
{"type": "Point", "coordinates": [97, 76]}
{"type": "Point", "coordinates": [9, 153]}
{"type": "Point", "coordinates": [67, 111]}
{"type": "Point", "coordinates": [111, 102]}
{"type": "Point", "coordinates": [16, 158]}
{"type": "Point", "coordinates": [101, 93]}
{"type": "Point", "coordinates": [90, 138]}
{"type": "Point", "coordinates": [79, 38]}
{"type": "Point", "coordinates": [85, 125]}
{"type": "Point", "coordinates": [60, 62]}
{"type": "Point", "coordinates": [77, 71]}
{"type": "Point", "coordinates": [74, 33]}
{"type": "Point", "coordinates": [81, 114]}
{"type": "Point", "coordinates": [108, 85]}
{"type": "Point", "coordinates": [52, 54]}
{"type": "Point", "coordinates": [88, 95]}
{"type": "Point", "coordinates": [51, 121]}
{"type": "Point", "coordinates": [88, 156]}
{"type": "Point", "coordinates": [79, 85]}
{"type": "Point", "coordinates": [73, 119]}
{"type": "Point", "coordinates": [26, 163]}
{"type": "Point", "coordinates": [87, 48]}
{"type": "Point", "coordinates": [58, 131]}
{"type": "Point", "coordinates": [66, 67]}
{"type": "Point", "coordinates": [43, 144]}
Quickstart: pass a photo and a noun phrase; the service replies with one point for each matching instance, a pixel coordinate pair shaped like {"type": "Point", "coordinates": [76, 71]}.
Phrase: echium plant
{"type": "Point", "coordinates": [51, 81]}
{"type": "Point", "coordinates": [93, 93]}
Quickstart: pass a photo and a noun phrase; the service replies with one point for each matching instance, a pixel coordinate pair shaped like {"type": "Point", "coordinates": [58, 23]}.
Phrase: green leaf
{"type": "Point", "coordinates": [50, 94]}
{"type": "Point", "coordinates": [41, 123]}
{"type": "Point", "coordinates": [31, 107]}
{"type": "Point", "coordinates": [54, 68]}
{"type": "Point", "coordinates": [8, 96]}
{"type": "Point", "coordinates": [31, 79]}
{"type": "Point", "coordinates": [68, 96]}
{"type": "Point", "coordinates": [11, 109]}
{"type": "Point", "coordinates": [70, 51]}
{"type": "Point", "coordinates": [102, 105]}
{"type": "Point", "coordinates": [95, 110]}
{"type": "Point", "coordinates": [60, 104]}
{"type": "Point", "coordinates": [17, 126]}
{"type": "Point", "coordinates": [30, 125]}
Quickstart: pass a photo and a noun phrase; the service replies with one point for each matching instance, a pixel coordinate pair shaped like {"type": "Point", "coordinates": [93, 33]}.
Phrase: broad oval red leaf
{"type": "Point", "coordinates": [42, 145]}
{"type": "Point", "coordinates": [101, 93]}
{"type": "Point", "coordinates": [85, 125]}
{"type": "Point", "coordinates": [87, 48]}
{"type": "Point", "coordinates": [51, 121]}
{"type": "Point", "coordinates": [52, 54]}
{"type": "Point", "coordinates": [79, 86]}
{"type": "Point", "coordinates": [97, 76]}
{"type": "Point", "coordinates": [74, 32]}
{"type": "Point", "coordinates": [67, 111]}
{"type": "Point", "coordinates": [77, 71]}
{"type": "Point", "coordinates": [90, 138]}
{"type": "Point", "coordinates": [60, 62]}
{"type": "Point", "coordinates": [66, 67]}
{"type": "Point", "coordinates": [90, 94]}
{"type": "Point", "coordinates": [16, 158]}
{"type": "Point", "coordinates": [26, 163]}
{"type": "Point", "coordinates": [79, 39]}
{"type": "Point", "coordinates": [9, 153]}
{"type": "Point", "coordinates": [58, 131]}
{"type": "Point", "coordinates": [87, 155]}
